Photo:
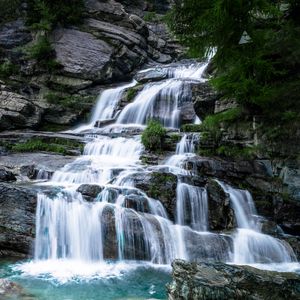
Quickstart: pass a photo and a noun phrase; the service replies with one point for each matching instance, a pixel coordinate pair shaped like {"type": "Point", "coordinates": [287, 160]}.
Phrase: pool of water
{"type": "Point", "coordinates": [132, 281]}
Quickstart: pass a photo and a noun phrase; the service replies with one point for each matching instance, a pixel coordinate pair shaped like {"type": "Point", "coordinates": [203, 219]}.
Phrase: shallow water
{"type": "Point", "coordinates": [132, 282]}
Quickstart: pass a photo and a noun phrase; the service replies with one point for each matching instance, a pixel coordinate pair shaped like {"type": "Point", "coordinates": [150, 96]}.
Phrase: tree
{"type": "Point", "coordinates": [258, 48]}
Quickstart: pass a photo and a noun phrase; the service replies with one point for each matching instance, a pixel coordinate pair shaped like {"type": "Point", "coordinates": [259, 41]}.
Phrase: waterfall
{"type": "Point", "coordinates": [192, 208]}
{"type": "Point", "coordinates": [163, 100]}
{"type": "Point", "coordinates": [121, 222]}
{"type": "Point", "coordinates": [250, 245]}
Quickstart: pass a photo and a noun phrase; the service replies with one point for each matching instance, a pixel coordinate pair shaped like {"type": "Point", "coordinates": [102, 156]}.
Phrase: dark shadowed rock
{"type": "Point", "coordinates": [89, 191]}
{"type": "Point", "coordinates": [219, 281]}
{"type": "Point", "coordinates": [17, 218]}
{"type": "Point", "coordinates": [220, 213]}
{"type": "Point", "coordinates": [14, 34]}
{"type": "Point", "coordinates": [160, 186]}
{"type": "Point", "coordinates": [6, 175]}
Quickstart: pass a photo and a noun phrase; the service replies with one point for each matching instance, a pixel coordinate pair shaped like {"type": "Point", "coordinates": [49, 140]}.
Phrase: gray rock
{"type": "Point", "coordinates": [155, 74]}
{"type": "Point", "coordinates": [219, 281]}
{"type": "Point", "coordinates": [17, 112]}
{"type": "Point", "coordinates": [17, 218]}
{"type": "Point", "coordinates": [14, 34]}
{"type": "Point", "coordinates": [81, 54]}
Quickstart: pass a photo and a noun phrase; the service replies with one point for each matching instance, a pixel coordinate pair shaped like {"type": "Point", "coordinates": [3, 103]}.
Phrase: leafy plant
{"type": "Point", "coordinates": [7, 68]}
{"type": "Point", "coordinates": [153, 136]}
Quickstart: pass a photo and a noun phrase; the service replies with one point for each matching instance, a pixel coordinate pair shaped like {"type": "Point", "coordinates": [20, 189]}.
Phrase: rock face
{"type": "Point", "coordinates": [17, 219]}
{"type": "Point", "coordinates": [112, 42]}
{"type": "Point", "coordinates": [17, 111]}
{"type": "Point", "coordinates": [220, 281]}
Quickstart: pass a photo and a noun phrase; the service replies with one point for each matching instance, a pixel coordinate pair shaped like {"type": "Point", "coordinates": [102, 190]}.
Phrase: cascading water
{"type": "Point", "coordinates": [121, 222]}
{"type": "Point", "coordinates": [250, 245]}
{"type": "Point", "coordinates": [163, 100]}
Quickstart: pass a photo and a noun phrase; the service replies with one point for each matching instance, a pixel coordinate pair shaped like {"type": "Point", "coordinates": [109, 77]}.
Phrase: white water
{"type": "Point", "coordinates": [122, 223]}
{"type": "Point", "coordinates": [250, 245]}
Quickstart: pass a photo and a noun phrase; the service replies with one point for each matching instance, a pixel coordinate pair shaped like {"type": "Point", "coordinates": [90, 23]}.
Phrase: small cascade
{"type": "Point", "coordinates": [250, 245]}
{"type": "Point", "coordinates": [192, 207]}
{"type": "Point", "coordinates": [163, 100]}
{"type": "Point", "coordinates": [106, 104]}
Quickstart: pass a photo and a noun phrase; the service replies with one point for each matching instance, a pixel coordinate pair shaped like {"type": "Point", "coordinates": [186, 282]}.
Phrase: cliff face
{"type": "Point", "coordinates": [112, 42]}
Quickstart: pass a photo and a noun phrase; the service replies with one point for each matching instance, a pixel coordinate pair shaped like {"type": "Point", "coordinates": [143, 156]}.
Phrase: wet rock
{"type": "Point", "coordinates": [155, 74]}
{"type": "Point", "coordinates": [160, 186]}
{"type": "Point", "coordinates": [17, 218]}
{"type": "Point", "coordinates": [6, 175]}
{"type": "Point", "coordinates": [89, 191]}
{"type": "Point", "coordinates": [220, 215]}
{"type": "Point", "coordinates": [137, 202]}
{"type": "Point", "coordinates": [220, 281]}
{"type": "Point", "coordinates": [207, 246]}
{"type": "Point", "coordinates": [12, 290]}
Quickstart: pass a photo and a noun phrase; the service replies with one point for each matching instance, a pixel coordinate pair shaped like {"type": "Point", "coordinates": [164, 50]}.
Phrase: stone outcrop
{"type": "Point", "coordinates": [220, 281]}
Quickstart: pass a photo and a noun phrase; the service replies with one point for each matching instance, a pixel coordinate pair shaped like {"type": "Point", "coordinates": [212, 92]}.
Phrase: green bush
{"type": "Point", "coordinates": [41, 50]}
{"type": "Point", "coordinates": [153, 136]}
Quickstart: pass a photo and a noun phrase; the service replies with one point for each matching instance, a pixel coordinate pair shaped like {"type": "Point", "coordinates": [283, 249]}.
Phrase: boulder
{"type": "Point", "coordinates": [219, 281]}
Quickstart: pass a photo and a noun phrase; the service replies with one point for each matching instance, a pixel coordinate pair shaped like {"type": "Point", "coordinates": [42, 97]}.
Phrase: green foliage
{"type": "Point", "coordinates": [46, 14]}
{"type": "Point", "coordinates": [43, 52]}
{"type": "Point", "coordinates": [7, 68]}
{"type": "Point", "coordinates": [56, 145]}
{"type": "Point", "coordinates": [35, 145]}
{"type": "Point", "coordinates": [258, 49]}
{"type": "Point", "coordinates": [191, 128]}
{"type": "Point", "coordinates": [153, 136]}
{"type": "Point", "coordinates": [151, 16]}
{"type": "Point", "coordinates": [212, 122]}
{"type": "Point", "coordinates": [67, 101]}
{"type": "Point", "coordinates": [9, 10]}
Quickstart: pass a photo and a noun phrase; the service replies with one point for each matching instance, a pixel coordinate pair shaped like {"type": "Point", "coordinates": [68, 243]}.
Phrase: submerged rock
{"type": "Point", "coordinates": [220, 281]}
